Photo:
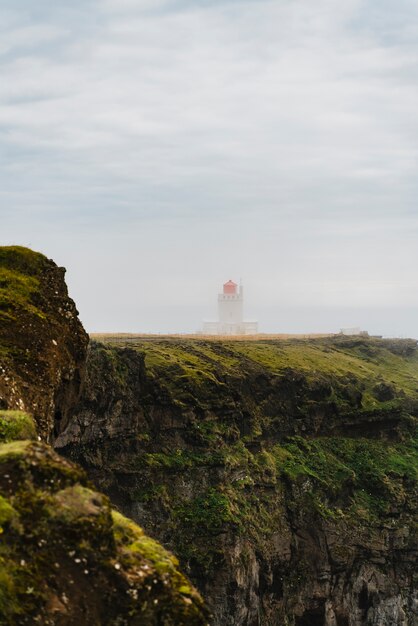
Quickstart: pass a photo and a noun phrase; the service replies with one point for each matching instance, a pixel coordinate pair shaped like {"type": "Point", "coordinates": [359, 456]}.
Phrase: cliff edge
{"type": "Point", "coordinates": [66, 557]}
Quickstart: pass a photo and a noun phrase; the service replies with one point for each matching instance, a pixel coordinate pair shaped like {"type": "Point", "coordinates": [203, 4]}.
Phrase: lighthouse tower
{"type": "Point", "coordinates": [230, 313]}
{"type": "Point", "coordinates": [231, 304]}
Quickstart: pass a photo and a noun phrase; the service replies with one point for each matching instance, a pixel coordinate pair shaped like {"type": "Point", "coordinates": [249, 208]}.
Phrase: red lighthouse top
{"type": "Point", "coordinates": [230, 287]}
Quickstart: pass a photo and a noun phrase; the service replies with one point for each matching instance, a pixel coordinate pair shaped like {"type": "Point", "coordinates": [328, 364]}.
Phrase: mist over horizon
{"type": "Point", "coordinates": [169, 318]}
{"type": "Point", "coordinates": [395, 322]}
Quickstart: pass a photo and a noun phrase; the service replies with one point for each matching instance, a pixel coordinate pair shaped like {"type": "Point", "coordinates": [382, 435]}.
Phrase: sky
{"type": "Point", "coordinates": [157, 148]}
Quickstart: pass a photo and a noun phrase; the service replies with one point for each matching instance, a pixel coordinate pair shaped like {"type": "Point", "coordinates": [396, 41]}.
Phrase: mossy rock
{"type": "Point", "coordinates": [66, 557]}
{"type": "Point", "coordinates": [15, 425]}
{"type": "Point", "coordinates": [42, 342]}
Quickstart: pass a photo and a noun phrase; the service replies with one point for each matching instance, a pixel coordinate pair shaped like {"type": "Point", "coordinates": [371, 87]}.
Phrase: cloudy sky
{"type": "Point", "coordinates": [157, 148]}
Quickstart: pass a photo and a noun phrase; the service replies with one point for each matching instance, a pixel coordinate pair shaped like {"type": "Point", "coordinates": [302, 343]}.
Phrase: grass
{"type": "Point", "coordinates": [207, 513]}
{"type": "Point", "coordinates": [199, 369]}
{"type": "Point", "coordinates": [20, 293]}
{"type": "Point", "coordinates": [335, 478]}
{"type": "Point", "coordinates": [16, 294]}
{"type": "Point", "coordinates": [22, 260]}
{"type": "Point", "coordinates": [342, 470]}
{"type": "Point", "coordinates": [19, 285]}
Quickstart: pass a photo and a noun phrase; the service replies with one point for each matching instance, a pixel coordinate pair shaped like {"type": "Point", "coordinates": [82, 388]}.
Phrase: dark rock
{"type": "Point", "coordinates": [383, 392]}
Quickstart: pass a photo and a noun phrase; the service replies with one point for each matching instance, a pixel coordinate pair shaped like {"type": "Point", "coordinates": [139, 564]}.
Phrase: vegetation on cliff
{"type": "Point", "coordinates": [287, 458]}
{"type": "Point", "coordinates": [358, 372]}
{"type": "Point", "coordinates": [21, 295]}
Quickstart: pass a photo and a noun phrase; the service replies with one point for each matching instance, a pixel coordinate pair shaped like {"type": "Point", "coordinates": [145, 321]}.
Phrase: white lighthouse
{"type": "Point", "coordinates": [230, 313]}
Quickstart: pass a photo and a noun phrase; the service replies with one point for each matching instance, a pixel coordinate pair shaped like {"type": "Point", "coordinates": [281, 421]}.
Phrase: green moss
{"type": "Point", "coordinates": [12, 450]}
{"type": "Point", "coordinates": [15, 425]}
{"type": "Point", "coordinates": [149, 549]}
{"type": "Point", "coordinates": [345, 372]}
{"type": "Point", "coordinates": [178, 459]}
{"type": "Point", "coordinates": [74, 503]}
{"type": "Point", "coordinates": [331, 478]}
{"type": "Point", "coordinates": [134, 542]}
{"type": "Point", "coordinates": [7, 513]}
{"type": "Point", "coordinates": [125, 530]}
{"type": "Point", "coordinates": [371, 474]}
{"type": "Point", "coordinates": [62, 536]}
{"type": "Point", "coordinates": [117, 368]}
{"type": "Point", "coordinates": [208, 513]}
{"type": "Point", "coordinates": [18, 291]}
{"type": "Point", "coordinates": [21, 299]}
{"type": "Point", "coordinates": [22, 259]}
{"type": "Point", "coordinates": [9, 603]}
{"type": "Point", "coordinates": [189, 373]}
{"type": "Point", "coordinates": [18, 283]}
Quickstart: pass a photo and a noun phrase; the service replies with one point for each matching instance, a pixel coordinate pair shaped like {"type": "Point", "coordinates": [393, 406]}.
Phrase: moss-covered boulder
{"type": "Point", "coordinates": [67, 558]}
{"type": "Point", "coordinates": [42, 342]}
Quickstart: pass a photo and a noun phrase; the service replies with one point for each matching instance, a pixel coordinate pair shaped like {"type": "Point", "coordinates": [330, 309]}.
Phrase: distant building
{"type": "Point", "coordinates": [230, 314]}
{"type": "Point", "coordinates": [354, 331]}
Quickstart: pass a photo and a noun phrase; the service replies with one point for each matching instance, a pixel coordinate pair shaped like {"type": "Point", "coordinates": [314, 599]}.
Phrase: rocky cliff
{"type": "Point", "coordinates": [66, 557]}
{"type": "Point", "coordinates": [42, 342]}
{"type": "Point", "coordinates": [282, 473]}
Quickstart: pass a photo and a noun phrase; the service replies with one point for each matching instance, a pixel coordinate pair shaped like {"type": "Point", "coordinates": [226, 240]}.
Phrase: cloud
{"type": "Point", "coordinates": [289, 126]}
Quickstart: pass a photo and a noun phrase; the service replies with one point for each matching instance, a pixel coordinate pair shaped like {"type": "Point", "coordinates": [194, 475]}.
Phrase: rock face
{"type": "Point", "coordinates": [66, 557]}
{"type": "Point", "coordinates": [42, 342]}
{"type": "Point", "coordinates": [283, 474]}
